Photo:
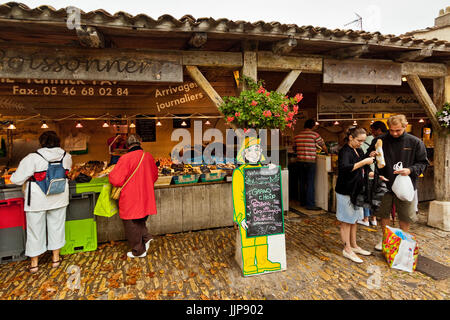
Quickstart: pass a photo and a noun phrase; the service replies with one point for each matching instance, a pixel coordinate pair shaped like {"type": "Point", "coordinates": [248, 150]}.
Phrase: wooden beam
{"type": "Point", "coordinates": [416, 55]}
{"type": "Point", "coordinates": [351, 52]}
{"type": "Point", "coordinates": [198, 39]}
{"type": "Point", "coordinates": [212, 59]}
{"type": "Point", "coordinates": [288, 81]}
{"type": "Point", "coordinates": [284, 46]}
{"type": "Point", "coordinates": [204, 84]}
{"type": "Point", "coordinates": [90, 37]}
{"type": "Point", "coordinates": [424, 70]}
{"type": "Point", "coordinates": [424, 99]}
{"type": "Point", "coordinates": [267, 61]}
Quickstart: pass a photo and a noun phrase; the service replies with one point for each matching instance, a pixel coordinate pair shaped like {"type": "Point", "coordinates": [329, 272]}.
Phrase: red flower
{"type": "Point", "coordinates": [230, 119]}
{"type": "Point", "coordinates": [298, 97]}
{"type": "Point", "coordinates": [291, 115]}
{"type": "Point", "coordinates": [267, 94]}
{"type": "Point", "coordinates": [261, 90]}
{"type": "Point", "coordinates": [285, 108]}
{"type": "Point", "coordinates": [267, 113]}
{"type": "Point", "coordinates": [254, 103]}
{"type": "Point", "coordinates": [289, 125]}
{"type": "Point", "coordinates": [237, 114]}
{"type": "Point", "coordinates": [295, 109]}
{"type": "Point", "coordinates": [277, 115]}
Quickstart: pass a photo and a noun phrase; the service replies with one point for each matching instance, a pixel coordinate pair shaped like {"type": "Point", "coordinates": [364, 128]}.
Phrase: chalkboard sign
{"type": "Point", "coordinates": [146, 129]}
{"type": "Point", "coordinates": [263, 204]}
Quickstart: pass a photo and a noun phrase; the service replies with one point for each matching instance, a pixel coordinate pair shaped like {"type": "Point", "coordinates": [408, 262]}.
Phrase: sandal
{"type": "Point", "coordinates": [56, 264]}
{"type": "Point", "coordinates": [33, 269]}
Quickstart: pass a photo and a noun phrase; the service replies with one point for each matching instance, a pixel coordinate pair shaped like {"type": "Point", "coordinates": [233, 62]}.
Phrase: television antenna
{"type": "Point", "coordinates": [356, 21]}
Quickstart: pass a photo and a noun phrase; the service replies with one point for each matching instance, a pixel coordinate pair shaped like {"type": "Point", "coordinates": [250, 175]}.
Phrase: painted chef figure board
{"type": "Point", "coordinates": [258, 211]}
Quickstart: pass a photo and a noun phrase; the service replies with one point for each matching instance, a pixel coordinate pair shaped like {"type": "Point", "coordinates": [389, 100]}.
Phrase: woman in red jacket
{"type": "Point", "coordinates": [137, 198]}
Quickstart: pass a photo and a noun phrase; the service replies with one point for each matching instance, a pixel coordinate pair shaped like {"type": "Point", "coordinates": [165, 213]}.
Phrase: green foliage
{"type": "Point", "coordinates": [444, 116]}
{"type": "Point", "coordinates": [258, 108]}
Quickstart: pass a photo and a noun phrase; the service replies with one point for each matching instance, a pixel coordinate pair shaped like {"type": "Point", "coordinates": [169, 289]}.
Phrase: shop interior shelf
{"type": "Point", "coordinates": [81, 236]}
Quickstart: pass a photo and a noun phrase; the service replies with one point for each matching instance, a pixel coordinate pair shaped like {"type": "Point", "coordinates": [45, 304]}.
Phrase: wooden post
{"type": "Point", "coordinates": [250, 64]}
{"type": "Point", "coordinates": [439, 210]}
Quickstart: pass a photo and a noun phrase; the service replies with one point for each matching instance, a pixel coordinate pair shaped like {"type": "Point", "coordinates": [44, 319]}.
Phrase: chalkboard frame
{"type": "Point", "coordinates": [141, 120]}
{"type": "Point", "coordinates": [281, 201]}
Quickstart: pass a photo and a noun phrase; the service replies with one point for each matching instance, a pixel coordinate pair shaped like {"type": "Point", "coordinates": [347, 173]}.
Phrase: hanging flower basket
{"type": "Point", "coordinates": [258, 108]}
{"type": "Point", "coordinates": [444, 116]}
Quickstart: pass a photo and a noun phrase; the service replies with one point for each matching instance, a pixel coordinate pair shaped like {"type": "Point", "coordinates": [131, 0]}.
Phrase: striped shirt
{"type": "Point", "coordinates": [306, 142]}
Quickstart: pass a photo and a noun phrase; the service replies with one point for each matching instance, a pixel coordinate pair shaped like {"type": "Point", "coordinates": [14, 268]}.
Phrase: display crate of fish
{"type": "Point", "coordinates": [186, 179]}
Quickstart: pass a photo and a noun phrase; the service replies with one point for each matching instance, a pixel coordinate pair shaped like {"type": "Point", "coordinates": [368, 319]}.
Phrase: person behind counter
{"type": "Point", "coordinates": [352, 166]}
{"type": "Point", "coordinates": [305, 145]}
{"type": "Point", "coordinates": [137, 198]}
{"type": "Point", "coordinates": [46, 215]}
{"type": "Point", "coordinates": [116, 145]}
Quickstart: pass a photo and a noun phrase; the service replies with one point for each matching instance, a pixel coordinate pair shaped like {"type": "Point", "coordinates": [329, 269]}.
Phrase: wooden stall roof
{"type": "Point", "coordinates": [44, 25]}
{"type": "Point", "coordinates": [167, 32]}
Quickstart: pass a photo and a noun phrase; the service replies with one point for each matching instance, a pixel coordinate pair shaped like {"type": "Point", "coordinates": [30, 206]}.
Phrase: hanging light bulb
{"type": "Point", "coordinates": [159, 124]}
{"type": "Point", "coordinates": [355, 123]}
{"type": "Point", "coordinates": [11, 126]}
{"type": "Point", "coordinates": [317, 123]}
{"type": "Point", "coordinates": [421, 121]}
{"type": "Point", "coordinates": [132, 125]}
{"type": "Point", "coordinates": [105, 125]}
{"type": "Point", "coordinates": [44, 125]}
{"type": "Point", "coordinates": [79, 125]}
{"type": "Point", "coordinates": [207, 123]}
{"type": "Point", "coordinates": [336, 123]}
{"type": "Point", "coordinates": [184, 124]}
{"type": "Point", "coordinates": [404, 79]}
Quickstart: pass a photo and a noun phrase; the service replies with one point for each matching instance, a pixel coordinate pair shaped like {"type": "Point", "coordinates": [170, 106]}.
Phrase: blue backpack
{"type": "Point", "coordinates": [52, 181]}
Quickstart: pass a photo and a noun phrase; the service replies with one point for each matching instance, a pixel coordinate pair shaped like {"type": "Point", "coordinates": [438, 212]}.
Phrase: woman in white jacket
{"type": "Point", "coordinates": [45, 213]}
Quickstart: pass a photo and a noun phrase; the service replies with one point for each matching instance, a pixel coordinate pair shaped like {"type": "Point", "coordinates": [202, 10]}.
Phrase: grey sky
{"type": "Point", "coordinates": [386, 16]}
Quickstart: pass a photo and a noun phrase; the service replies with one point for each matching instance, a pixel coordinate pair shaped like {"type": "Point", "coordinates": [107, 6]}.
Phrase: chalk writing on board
{"type": "Point", "coordinates": [264, 211]}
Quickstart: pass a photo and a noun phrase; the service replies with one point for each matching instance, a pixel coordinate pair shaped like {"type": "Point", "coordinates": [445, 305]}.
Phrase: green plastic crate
{"type": "Point", "coordinates": [81, 236]}
{"type": "Point", "coordinates": [186, 179]}
{"type": "Point", "coordinates": [95, 185]}
{"type": "Point", "coordinates": [210, 177]}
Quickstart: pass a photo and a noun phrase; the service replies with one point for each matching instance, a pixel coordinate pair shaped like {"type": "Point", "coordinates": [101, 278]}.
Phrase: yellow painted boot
{"type": "Point", "coordinates": [262, 262]}
{"type": "Point", "coordinates": [248, 254]}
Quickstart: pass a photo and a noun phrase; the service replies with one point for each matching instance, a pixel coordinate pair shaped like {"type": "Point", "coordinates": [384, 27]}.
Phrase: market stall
{"type": "Point", "coordinates": [91, 86]}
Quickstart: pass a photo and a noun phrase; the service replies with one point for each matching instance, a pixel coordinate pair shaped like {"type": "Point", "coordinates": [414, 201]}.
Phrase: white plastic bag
{"type": "Point", "coordinates": [402, 186]}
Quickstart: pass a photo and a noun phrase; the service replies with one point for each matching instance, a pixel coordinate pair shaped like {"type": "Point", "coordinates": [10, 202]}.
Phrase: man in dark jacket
{"type": "Point", "coordinates": [399, 147]}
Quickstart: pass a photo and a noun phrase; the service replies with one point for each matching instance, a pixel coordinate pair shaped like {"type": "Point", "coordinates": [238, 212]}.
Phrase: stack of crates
{"type": "Point", "coordinates": [12, 225]}
{"type": "Point", "coordinates": [81, 227]}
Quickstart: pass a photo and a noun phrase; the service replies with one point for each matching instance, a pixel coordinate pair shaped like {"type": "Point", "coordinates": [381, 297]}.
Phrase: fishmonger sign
{"type": "Point", "coordinates": [88, 64]}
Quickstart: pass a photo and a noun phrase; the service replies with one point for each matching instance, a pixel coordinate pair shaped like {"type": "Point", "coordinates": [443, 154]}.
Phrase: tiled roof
{"type": "Point", "coordinates": [187, 23]}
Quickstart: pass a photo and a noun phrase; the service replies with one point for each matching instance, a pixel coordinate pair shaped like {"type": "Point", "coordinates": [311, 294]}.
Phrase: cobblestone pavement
{"type": "Point", "coordinates": [200, 265]}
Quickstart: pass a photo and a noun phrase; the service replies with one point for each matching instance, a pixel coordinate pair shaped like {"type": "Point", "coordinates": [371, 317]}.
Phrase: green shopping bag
{"type": "Point", "coordinates": [106, 207]}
